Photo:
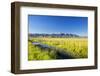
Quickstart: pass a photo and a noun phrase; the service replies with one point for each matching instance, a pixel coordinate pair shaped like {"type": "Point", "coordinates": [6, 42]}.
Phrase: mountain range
{"type": "Point", "coordinates": [53, 35]}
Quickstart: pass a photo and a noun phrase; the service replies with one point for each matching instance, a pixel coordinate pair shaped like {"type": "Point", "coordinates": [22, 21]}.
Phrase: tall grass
{"type": "Point", "coordinates": [35, 53]}
{"type": "Point", "coordinates": [75, 47]}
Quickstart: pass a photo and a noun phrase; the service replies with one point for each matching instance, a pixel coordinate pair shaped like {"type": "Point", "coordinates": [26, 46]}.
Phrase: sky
{"type": "Point", "coordinates": [58, 24]}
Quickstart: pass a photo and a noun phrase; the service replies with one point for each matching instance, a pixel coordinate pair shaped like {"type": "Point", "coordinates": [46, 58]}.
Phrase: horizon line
{"type": "Point", "coordinates": [60, 33]}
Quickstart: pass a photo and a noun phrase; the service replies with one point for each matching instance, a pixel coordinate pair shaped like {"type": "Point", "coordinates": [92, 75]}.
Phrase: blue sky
{"type": "Point", "coordinates": [58, 24]}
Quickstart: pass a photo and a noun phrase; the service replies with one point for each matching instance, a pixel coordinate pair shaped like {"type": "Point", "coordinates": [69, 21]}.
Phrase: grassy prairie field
{"type": "Point", "coordinates": [75, 47]}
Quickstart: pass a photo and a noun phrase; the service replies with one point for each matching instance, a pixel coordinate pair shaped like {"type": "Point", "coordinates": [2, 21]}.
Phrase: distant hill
{"type": "Point", "coordinates": [61, 35]}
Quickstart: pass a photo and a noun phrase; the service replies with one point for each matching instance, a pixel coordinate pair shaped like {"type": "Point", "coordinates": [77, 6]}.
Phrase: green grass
{"type": "Point", "coordinates": [75, 47]}
{"type": "Point", "coordinates": [35, 53]}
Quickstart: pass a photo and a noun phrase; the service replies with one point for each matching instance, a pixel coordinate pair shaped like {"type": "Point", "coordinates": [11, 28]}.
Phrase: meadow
{"type": "Point", "coordinates": [74, 47]}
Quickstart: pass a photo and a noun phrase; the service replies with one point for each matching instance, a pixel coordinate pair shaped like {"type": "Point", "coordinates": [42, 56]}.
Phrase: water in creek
{"type": "Point", "coordinates": [59, 52]}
